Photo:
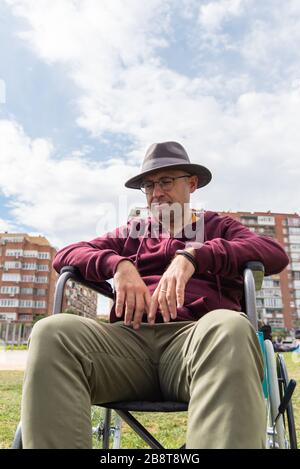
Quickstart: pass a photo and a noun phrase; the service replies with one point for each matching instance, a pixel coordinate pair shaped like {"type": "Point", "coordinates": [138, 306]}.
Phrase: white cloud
{"type": "Point", "coordinates": [115, 33]}
{"type": "Point", "coordinates": [100, 42]}
{"type": "Point", "coordinates": [64, 199]}
{"type": "Point", "coordinates": [110, 50]}
{"type": "Point", "coordinates": [5, 225]}
{"type": "Point", "coordinates": [259, 38]}
{"type": "Point", "coordinates": [272, 40]}
{"type": "Point", "coordinates": [213, 14]}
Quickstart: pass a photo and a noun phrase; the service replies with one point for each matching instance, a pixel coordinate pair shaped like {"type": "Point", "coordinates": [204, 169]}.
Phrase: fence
{"type": "Point", "coordinates": [14, 333]}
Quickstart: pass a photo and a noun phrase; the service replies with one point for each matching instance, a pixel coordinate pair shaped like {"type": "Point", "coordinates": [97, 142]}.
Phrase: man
{"type": "Point", "coordinates": [176, 330]}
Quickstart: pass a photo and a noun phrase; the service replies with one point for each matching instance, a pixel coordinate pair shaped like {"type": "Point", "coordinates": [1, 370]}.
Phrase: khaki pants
{"type": "Point", "coordinates": [215, 364]}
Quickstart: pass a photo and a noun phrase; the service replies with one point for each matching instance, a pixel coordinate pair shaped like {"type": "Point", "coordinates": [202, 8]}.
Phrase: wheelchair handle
{"type": "Point", "coordinates": [286, 399]}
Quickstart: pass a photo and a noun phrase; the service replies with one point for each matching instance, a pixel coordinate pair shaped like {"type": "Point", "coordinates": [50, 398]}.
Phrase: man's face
{"type": "Point", "coordinates": [178, 195]}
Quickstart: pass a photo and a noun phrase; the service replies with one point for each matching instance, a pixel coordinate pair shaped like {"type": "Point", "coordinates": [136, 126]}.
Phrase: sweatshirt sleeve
{"type": "Point", "coordinates": [227, 254]}
{"type": "Point", "coordinates": [96, 260]}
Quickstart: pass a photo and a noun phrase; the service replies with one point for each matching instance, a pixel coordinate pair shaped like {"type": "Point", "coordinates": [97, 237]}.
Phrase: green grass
{"type": "Point", "coordinates": [168, 428]}
{"type": "Point", "coordinates": [293, 366]}
{"type": "Point", "coordinates": [10, 398]}
{"type": "Point", "coordinates": [14, 347]}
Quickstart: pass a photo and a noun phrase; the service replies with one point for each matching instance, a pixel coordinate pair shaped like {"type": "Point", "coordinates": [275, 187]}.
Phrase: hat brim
{"type": "Point", "coordinates": [204, 175]}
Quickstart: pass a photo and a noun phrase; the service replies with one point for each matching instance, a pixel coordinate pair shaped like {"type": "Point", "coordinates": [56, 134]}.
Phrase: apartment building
{"type": "Point", "coordinates": [279, 299]}
{"type": "Point", "coordinates": [27, 280]}
{"type": "Point", "coordinates": [80, 300]}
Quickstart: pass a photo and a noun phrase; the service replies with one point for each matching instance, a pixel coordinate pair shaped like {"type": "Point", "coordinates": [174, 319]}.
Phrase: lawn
{"type": "Point", "coordinates": [168, 428]}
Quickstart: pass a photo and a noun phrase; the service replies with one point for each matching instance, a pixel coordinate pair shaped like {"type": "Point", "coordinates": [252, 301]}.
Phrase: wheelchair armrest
{"type": "Point", "coordinates": [253, 278]}
{"type": "Point", "coordinates": [104, 288]}
{"type": "Point", "coordinates": [71, 272]}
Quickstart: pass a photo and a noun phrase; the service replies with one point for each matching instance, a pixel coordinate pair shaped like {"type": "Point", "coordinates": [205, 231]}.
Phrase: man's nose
{"type": "Point", "coordinates": [157, 190]}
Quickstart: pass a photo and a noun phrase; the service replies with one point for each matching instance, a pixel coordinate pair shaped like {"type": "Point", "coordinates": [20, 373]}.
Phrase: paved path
{"type": "Point", "coordinates": [13, 359]}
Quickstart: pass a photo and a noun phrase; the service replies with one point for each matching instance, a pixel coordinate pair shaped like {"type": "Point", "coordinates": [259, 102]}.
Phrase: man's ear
{"type": "Point", "coordinates": [193, 183]}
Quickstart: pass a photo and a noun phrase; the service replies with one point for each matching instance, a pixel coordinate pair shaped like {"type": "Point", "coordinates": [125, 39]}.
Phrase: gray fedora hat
{"type": "Point", "coordinates": [168, 155]}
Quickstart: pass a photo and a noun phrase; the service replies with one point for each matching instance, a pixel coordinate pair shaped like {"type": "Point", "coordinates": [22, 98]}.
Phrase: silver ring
{"type": "Point", "coordinates": [165, 291]}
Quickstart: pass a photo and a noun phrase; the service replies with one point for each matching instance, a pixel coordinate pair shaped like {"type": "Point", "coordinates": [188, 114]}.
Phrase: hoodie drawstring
{"type": "Point", "coordinates": [136, 262]}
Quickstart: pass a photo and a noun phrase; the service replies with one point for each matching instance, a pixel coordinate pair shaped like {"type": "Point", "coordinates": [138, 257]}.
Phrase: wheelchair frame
{"type": "Point", "coordinates": [280, 426]}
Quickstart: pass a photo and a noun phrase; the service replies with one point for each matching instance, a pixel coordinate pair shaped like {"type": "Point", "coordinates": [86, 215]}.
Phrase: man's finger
{"type": "Point", "coordinates": [162, 301]}
{"type": "Point", "coordinates": [153, 308]}
{"type": "Point", "coordinates": [139, 310]}
{"type": "Point", "coordinates": [120, 303]}
{"type": "Point", "coordinates": [147, 301]}
{"type": "Point", "coordinates": [171, 298]}
{"type": "Point", "coordinates": [130, 305]}
{"type": "Point", "coordinates": [180, 293]}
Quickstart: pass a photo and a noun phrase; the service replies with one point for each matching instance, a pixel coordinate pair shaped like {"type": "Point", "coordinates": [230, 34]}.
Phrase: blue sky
{"type": "Point", "coordinates": [90, 85]}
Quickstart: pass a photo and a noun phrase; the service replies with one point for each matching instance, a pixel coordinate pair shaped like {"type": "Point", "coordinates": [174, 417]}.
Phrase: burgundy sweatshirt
{"type": "Point", "coordinates": [226, 247]}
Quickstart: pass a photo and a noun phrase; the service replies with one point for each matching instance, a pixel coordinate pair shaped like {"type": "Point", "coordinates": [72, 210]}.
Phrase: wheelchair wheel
{"type": "Point", "coordinates": [103, 429]}
{"type": "Point", "coordinates": [282, 435]}
{"type": "Point", "coordinates": [289, 420]}
{"type": "Point", "coordinates": [17, 443]}
{"type": "Point", "coordinates": [276, 436]}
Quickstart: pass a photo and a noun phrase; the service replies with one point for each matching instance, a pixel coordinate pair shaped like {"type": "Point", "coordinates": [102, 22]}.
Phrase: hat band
{"type": "Point", "coordinates": [156, 164]}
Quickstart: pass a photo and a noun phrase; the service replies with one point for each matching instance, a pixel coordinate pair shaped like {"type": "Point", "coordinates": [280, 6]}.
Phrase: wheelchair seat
{"type": "Point", "coordinates": [147, 406]}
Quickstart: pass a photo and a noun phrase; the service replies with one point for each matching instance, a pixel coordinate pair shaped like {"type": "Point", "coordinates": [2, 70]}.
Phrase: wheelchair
{"type": "Point", "coordinates": [277, 388]}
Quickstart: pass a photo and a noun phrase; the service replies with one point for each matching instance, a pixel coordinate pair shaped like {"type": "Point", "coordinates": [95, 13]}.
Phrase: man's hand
{"type": "Point", "coordinates": [169, 293]}
{"type": "Point", "coordinates": [132, 292]}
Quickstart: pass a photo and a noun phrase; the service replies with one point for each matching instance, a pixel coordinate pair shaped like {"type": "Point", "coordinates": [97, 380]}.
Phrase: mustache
{"type": "Point", "coordinates": [158, 202]}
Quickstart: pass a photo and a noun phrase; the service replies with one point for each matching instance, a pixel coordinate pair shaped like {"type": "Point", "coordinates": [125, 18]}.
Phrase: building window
{"type": "Point", "coordinates": [43, 267]}
{"type": "Point", "coordinates": [276, 322]}
{"type": "Point", "coordinates": [42, 279]}
{"type": "Point", "coordinates": [40, 304]}
{"type": "Point", "coordinates": [12, 239]}
{"type": "Point", "coordinates": [296, 266]}
{"type": "Point", "coordinates": [44, 255]}
{"type": "Point", "coordinates": [269, 283]}
{"type": "Point", "coordinates": [14, 252]}
{"type": "Point", "coordinates": [25, 317]}
{"type": "Point", "coordinates": [26, 291]}
{"type": "Point", "coordinates": [28, 278]}
{"type": "Point", "coordinates": [12, 265]}
{"type": "Point", "coordinates": [293, 221]}
{"type": "Point", "coordinates": [9, 303]}
{"type": "Point", "coordinates": [265, 220]}
{"type": "Point", "coordinates": [30, 253]}
{"type": "Point", "coordinates": [248, 220]}
{"type": "Point", "coordinates": [12, 290]}
{"type": "Point", "coordinates": [295, 256]}
{"type": "Point", "coordinates": [11, 277]}
{"type": "Point", "coordinates": [273, 303]}
{"type": "Point", "coordinates": [8, 316]}
{"type": "Point", "coordinates": [26, 304]}
{"type": "Point", "coordinates": [28, 266]}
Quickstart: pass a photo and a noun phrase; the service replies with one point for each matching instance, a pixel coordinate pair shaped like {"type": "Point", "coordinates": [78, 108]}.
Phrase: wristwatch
{"type": "Point", "coordinates": [188, 256]}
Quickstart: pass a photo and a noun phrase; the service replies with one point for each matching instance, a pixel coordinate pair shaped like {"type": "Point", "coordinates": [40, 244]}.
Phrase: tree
{"type": "Point", "coordinates": [70, 311]}
{"type": "Point", "coordinates": [37, 317]}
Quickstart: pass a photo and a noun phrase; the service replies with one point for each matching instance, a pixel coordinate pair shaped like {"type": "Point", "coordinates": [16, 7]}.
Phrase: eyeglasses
{"type": "Point", "coordinates": [165, 183]}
